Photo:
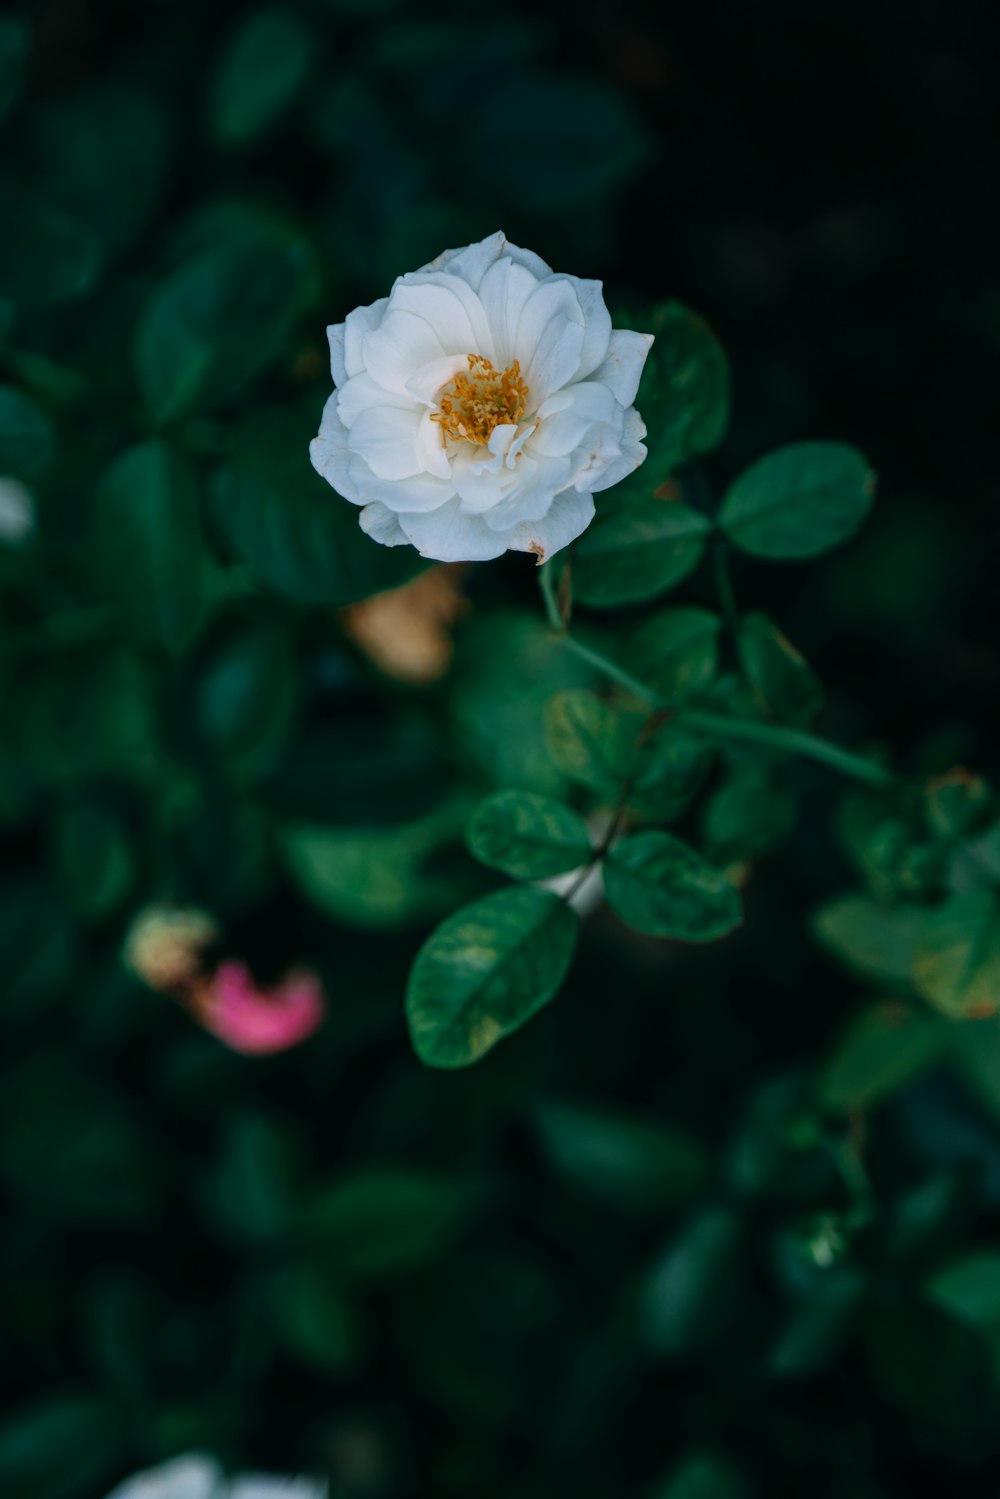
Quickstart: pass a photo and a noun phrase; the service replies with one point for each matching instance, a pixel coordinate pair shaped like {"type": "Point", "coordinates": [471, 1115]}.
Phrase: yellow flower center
{"type": "Point", "coordinates": [471, 405]}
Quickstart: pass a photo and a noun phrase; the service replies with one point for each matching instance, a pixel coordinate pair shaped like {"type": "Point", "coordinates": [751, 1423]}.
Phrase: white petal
{"type": "Point", "coordinates": [597, 326]}
{"type": "Point", "coordinates": [479, 483]}
{"type": "Point", "coordinates": [450, 535]}
{"type": "Point", "coordinates": [264, 1486]}
{"type": "Point", "coordinates": [419, 492]}
{"type": "Point", "coordinates": [633, 453]}
{"type": "Point", "coordinates": [329, 452]}
{"type": "Point", "coordinates": [382, 525]}
{"type": "Point", "coordinates": [621, 370]}
{"type": "Point", "coordinates": [555, 359]}
{"type": "Point", "coordinates": [335, 335]}
{"type": "Point", "coordinates": [565, 420]}
{"type": "Point", "coordinates": [451, 308]}
{"type": "Point", "coordinates": [568, 517]}
{"type": "Point", "coordinates": [431, 447]}
{"type": "Point", "coordinates": [428, 380]}
{"type": "Point", "coordinates": [386, 438]}
{"type": "Point", "coordinates": [190, 1477]}
{"type": "Point", "coordinates": [504, 291]}
{"type": "Point", "coordinates": [400, 346]}
{"type": "Point", "coordinates": [362, 393]}
{"type": "Point", "coordinates": [471, 262]}
{"type": "Point", "coordinates": [540, 480]}
{"type": "Point", "coordinates": [359, 322]}
{"type": "Point", "coordinates": [552, 301]}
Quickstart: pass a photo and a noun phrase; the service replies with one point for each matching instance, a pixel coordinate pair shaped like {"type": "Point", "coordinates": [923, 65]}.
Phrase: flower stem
{"type": "Point", "coordinates": [548, 585]}
{"type": "Point", "coordinates": [791, 741]}
{"type": "Point", "coordinates": [717, 725]}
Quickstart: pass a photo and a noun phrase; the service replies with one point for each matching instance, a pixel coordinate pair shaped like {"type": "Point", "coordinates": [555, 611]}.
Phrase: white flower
{"type": "Point", "coordinates": [198, 1477]}
{"type": "Point", "coordinates": [480, 405]}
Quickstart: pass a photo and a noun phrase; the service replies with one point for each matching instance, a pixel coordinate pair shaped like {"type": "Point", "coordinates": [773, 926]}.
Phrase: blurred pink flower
{"type": "Point", "coordinates": [260, 1021]}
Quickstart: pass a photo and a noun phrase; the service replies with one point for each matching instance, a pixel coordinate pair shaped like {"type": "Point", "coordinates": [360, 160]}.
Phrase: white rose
{"type": "Point", "coordinates": [195, 1476]}
{"type": "Point", "coordinates": [480, 406]}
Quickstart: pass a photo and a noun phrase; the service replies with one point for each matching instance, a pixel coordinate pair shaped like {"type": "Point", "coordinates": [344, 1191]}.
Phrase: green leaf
{"type": "Point", "coordinates": [677, 653]}
{"type": "Point", "coordinates": [784, 685]}
{"type": "Point", "coordinates": [384, 1221]}
{"type": "Point", "coordinates": [149, 541]}
{"type": "Point", "coordinates": [315, 1319]}
{"type": "Point", "coordinates": [884, 1049]}
{"type": "Point", "coordinates": [798, 502]}
{"type": "Point", "coordinates": [703, 1475]}
{"type": "Point", "coordinates": [635, 551]}
{"type": "Point", "coordinates": [485, 971]}
{"type": "Point", "coordinates": [589, 740]}
{"type": "Point", "coordinates": [375, 878]}
{"type": "Point", "coordinates": [219, 320]}
{"type": "Point", "coordinates": [527, 836]}
{"type": "Point", "coordinates": [580, 135]}
{"type": "Point", "coordinates": [750, 814]}
{"type": "Point", "coordinates": [45, 256]}
{"type": "Point", "coordinates": [15, 45]}
{"type": "Point", "coordinates": [102, 155]}
{"type": "Point", "coordinates": [688, 1294]}
{"type": "Point", "coordinates": [66, 1447]}
{"type": "Point", "coordinates": [261, 70]}
{"type": "Point", "coordinates": [282, 518]}
{"type": "Point", "coordinates": [26, 434]}
{"type": "Point", "coordinates": [635, 1165]}
{"type": "Point", "coordinates": [669, 770]}
{"type": "Point", "coordinates": [661, 886]}
{"type": "Point", "coordinates": [92, 858]}
{"type": "Point", "coordinates": [957, 961]}
{"type": "Point", "coordinates": [969, 1289]}
{"type": "Point", "coordinates": [874, 941]}
{"type": "Point", "coordinates": [248, 693]}
{"type": "Point", "coordinates": [819, 1325]}
{"type": "Point", "coordinates": [684, 393]}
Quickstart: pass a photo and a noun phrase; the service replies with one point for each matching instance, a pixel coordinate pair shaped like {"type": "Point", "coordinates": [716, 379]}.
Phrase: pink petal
{"type": "Point", "coordinates": [256, 1021]}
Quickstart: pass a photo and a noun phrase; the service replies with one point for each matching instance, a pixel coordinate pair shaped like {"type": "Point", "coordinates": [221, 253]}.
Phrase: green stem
{"type": "Point", "coordinates": [614, 672]}
{"type": "Point", "coordinates": [790, 741]}
{"type": "Point", "coordinates": [547, 583]}
{"type": "Point", "coordinates": [716, 725]}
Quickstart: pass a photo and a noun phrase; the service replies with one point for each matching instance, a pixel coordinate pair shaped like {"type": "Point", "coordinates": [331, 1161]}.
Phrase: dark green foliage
{"type": "Point", "coordinates": [715, 1213]}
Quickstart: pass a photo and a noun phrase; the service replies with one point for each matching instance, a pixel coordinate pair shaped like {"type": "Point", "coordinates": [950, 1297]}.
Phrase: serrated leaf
{"type": "Point", "coordinates": [485, 971]}
{"type": "Point", "coordinates": [663, 887]}
{"type": "Point", "coordinates": [261, 70]}
{"type": "Point", "coordinates": [799, 501]}
{"type": "Point", "coordinates": [635, 551]}
{"type": "Point", "coordinates": [588, 739]}
{"type": "Point", "coordinates": [784, 685]}
{"type": "Point", "coordinates": [527, 836]}
{"type": "Point", "coordinates": [150, 545]}
{"type": "Point", "coordinates": [957, 960]}
{"type": "Point", "coordinates": [873, 940]}
{"type": "Point", "coordinates": [677, 653]}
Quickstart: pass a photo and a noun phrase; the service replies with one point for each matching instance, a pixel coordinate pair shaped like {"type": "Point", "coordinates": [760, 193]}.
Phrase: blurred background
{"type": "Point", "coordinates": [630, 1253]}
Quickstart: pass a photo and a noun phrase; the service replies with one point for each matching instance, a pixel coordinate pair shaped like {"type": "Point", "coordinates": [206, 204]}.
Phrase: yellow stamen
{"type": "Point", "coordinates": [471, 405]}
